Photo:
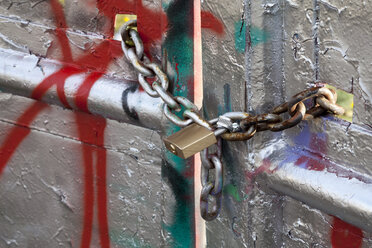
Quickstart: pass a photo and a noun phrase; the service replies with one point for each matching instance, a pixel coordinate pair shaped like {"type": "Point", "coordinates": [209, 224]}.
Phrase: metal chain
{"type": "Point", "coordinates": [232, 126]}
{"type": "Point", "coordinates": [133, 49]}
{"type": "Point", "coordinates": [211, 188]}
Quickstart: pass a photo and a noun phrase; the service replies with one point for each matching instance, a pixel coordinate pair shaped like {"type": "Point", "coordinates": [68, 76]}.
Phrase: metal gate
{"type": "Point", "coordinates": [103, 178]}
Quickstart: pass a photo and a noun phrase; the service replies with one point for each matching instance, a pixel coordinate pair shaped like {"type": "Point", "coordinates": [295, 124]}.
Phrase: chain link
{"type": "Point", "coordinates": [148, 71]}
{"type": "Point", "coordinates": [211, 194]}
{"type": "Point", "coordinates": [232, 126]}
{"type": "Point", "coordinates": [324, 99]}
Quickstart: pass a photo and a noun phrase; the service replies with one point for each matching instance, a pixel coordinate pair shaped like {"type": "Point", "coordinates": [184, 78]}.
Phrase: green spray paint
{"type": "Point", "coordinates": [227, 100]}
{"type": "Point", "coordinates": [180, 228]}
{"type": "Point", "coordinates": [232, 191]}
{"type": "Point", "coordinates": [178, 46]}
{"type": "Point", "coordinates": [179, 49]}
{"type": "Point", "coordinates": [258, 36]}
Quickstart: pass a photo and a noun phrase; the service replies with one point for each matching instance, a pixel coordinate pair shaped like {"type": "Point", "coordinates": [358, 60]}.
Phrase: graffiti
{"type": "Point", "coordinates": [232, 190]}
{"type": "Point", "coordinates": [178, 77]}
{"type": "Point", "coordinates": [209, 21]}
{"type": "Point", "coordinates": [124, 99]}
{"type": "Point", "coordinates": [344, 235]}
{"type": "Point", "coordinates": [16, 135]}
{"type": "Point", "coordinates": [227, 100]}
{"type": "Point", "coordinates": [151, 24]}
{"type": "Point", "coordinates": [257, 36]}
{"type": "Point", "coordinates": [181, 227]}
{"type": "Point", "coordinates": [90, 128]}
{"type": "Point", "coordinates": [179, 47]}
{"type": "Point", "coordinates": [94, 62]}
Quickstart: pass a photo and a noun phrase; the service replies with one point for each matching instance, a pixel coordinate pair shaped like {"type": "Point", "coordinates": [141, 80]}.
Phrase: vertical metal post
{"type": "Point", "coordinates": [200, 234]}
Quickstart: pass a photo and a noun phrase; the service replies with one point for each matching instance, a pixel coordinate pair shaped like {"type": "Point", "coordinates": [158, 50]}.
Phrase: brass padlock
{"type": "Point", "coordinates": [190, 140]}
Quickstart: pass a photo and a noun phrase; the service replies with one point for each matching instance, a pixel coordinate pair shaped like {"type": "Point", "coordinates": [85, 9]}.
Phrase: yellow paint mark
{"type": "Point", "coordinates": [345, 100]}
{"type": "Point", "coordinates": [62, 2]}
{"type": "Point", "coordinates": [120, 19]}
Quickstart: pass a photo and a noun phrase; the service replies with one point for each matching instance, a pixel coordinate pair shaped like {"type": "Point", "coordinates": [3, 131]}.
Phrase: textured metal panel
{"type": "Point", "coordinates": [345, 51]}
{"type": "Point", "coordinates": [137, 211]}
{"type": "Point", "coordinates": [224, 91]}
{"type": "Point", "coordinates": [322, 183]}
{"type": "Point", "coordinates": [256, 54]}
{"type": "Point", "coordinates": [283, 49]}
{"type": "Point", "coordinates": [43, 188]}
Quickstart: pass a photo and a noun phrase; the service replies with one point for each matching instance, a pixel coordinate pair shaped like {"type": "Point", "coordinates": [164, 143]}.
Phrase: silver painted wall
{"type": "Point", "coordinates": [42, 186]}
{"type": "Point", "coordinates": [294, 44]}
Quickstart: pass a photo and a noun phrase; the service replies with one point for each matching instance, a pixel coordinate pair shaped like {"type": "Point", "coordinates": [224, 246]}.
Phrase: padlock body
{"type": "Point", "coordinates": [190, 140]}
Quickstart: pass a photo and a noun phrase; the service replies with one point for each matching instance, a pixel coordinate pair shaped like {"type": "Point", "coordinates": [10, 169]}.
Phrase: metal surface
{"type": "Point", "coordinates": [327, 186]}
{"type": "Point", "coordinates": [294, 106]}
{"type": "Point", "coordinates": [112, 98]}
{"type": "Point", "coordinates": [88, 179]}
{"type": "Point", "coordinates": [254, 52]}
{"type": "Point", "coordinates": [141, 63]}
{"type": "Point", "coordinates": [272, 49]}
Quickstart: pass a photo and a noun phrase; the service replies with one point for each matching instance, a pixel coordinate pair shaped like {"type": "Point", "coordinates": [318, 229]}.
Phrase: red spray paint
{"type": "Point", "coordinates": [344, 235]}
{"type": "Point", "coordinates": [61, 24]}
{"type": "Point", "coordinates": [90, 128]}
{"type": "Point", "coordinates": [209, 21]}
{"type": "Point", "coordinates": [91, 131]}
{"type": "Point", "coordinates": [151, 24]}
{"type": "Point", "coordinates": [18, 133]}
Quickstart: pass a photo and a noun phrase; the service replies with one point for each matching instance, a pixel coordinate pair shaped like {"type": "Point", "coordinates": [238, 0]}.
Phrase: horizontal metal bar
{"type": "Point", "coordinates": [112, 98]}
{"type": "Point", "coordinates": [334, 189]}
{"type": "Point", "coordinates": [319, 183]}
